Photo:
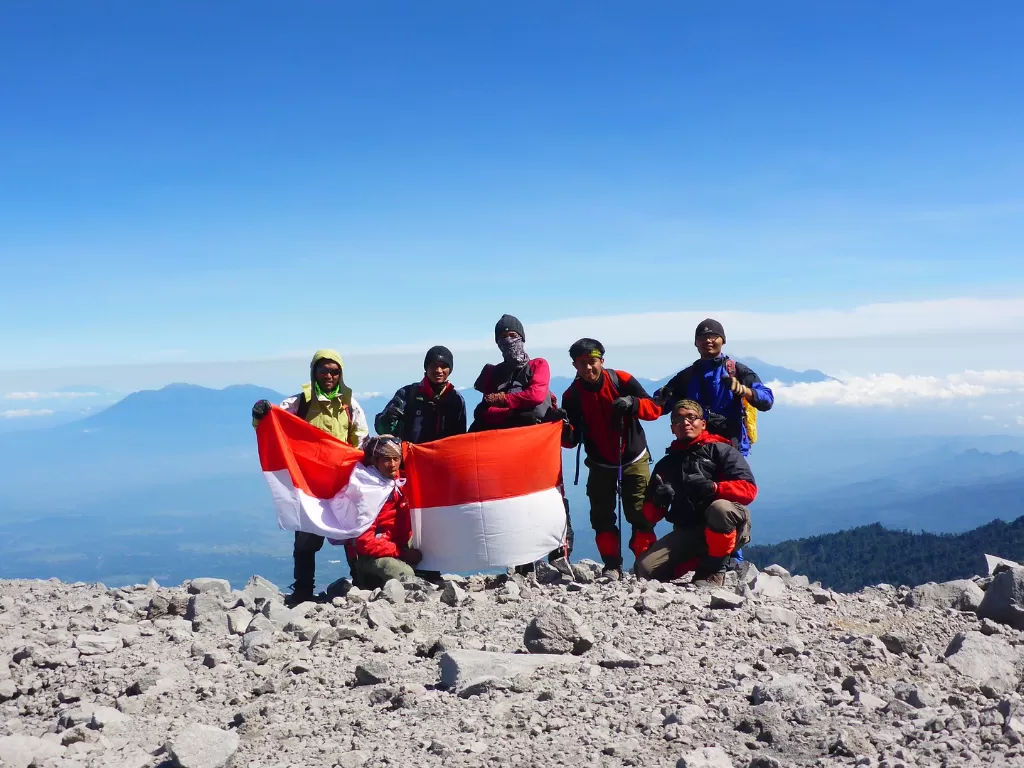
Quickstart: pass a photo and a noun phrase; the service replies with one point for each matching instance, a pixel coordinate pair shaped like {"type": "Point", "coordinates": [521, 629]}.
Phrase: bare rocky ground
{"type": "Point", "coordinates": [504, 671]}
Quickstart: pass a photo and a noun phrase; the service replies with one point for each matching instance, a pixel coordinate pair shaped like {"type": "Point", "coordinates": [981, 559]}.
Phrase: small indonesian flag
{"type": "Point", "coordinates": [479, 501]}
{"type": "Point", "coordinates": [318, 482]}
{"type": "Point", "coordinates": [487, 499]}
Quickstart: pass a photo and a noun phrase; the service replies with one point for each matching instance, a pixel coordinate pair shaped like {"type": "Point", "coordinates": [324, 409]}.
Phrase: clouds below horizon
{"type": "Point", "coordinates": [48, 395]}
{"type": "Point", "coordinates": [892, 390]}
{"type": "Point", "coordinates": [23, 413]}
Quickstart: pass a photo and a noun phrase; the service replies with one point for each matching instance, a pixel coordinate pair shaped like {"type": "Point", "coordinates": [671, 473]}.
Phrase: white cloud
{"type": "Point", "coordinates": [48, 395]}
{"type": "Point", "coordinates": [24, 413]}
{"type": "Point", "coordinates": [960, 315]}
{"type": "Point", "coordinates": [890, 389]}
{"type": "Point", "coordinates": [1020, 421]}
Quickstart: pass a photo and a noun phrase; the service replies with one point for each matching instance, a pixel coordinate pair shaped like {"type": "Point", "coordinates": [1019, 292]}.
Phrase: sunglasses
{"type": "Point", "coordinates": [689, 418]}
{"type": "Point", "coordinates": [328, 372]}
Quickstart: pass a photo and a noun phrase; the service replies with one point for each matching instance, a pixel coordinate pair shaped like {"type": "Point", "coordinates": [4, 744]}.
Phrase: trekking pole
{"type": "Point", "coordinates": [618, 488]}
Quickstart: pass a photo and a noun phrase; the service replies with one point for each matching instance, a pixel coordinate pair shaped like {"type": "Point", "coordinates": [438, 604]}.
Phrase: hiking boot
{"type": "Point", "coordinates": [299, 596]}
{"type": "Point", "coordinates": [716, 579]}
{"type": "Point", "coordinates": [613, 572]}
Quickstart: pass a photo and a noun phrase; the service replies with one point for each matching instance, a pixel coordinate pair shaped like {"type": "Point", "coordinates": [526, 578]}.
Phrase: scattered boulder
{"type": "Point", "coordinates": [705, 757]}
{"type": "Point", "coordinates": [372, 672]}
{"type": "Point", "coordinates": [24, 751]}
{"type": "Point", "coordinates": [202, 746]}
{"type": "Point", "coordinates": [558, 629]}
{"type": "Point", "coordinates": [768, 585]}
{"type": "Point", "coordinates": [458, 667]}
{"type": "Point", "coordinates": [961, 595]}
{"type": "Point", "coordinates": [988, 660]}
{"type": "Point", "coordinates": [453, 595]}
{"type": "Point", "coordinates": [95, 644]}
{"type": "Point", "coordinates": [994, 565]}
{"type": "Point", "coordinates": [215, 586]}
{"type": "Point", "coordinates": [1003, 601]}
{"type": "Point", "coordinates": [723, 598]}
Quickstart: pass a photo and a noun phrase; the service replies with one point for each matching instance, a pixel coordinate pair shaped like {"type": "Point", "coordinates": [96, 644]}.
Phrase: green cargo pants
{"type": "Point", "coordinates": [372, 572]}
{"type": "Point", "coordinates": [603, 502]}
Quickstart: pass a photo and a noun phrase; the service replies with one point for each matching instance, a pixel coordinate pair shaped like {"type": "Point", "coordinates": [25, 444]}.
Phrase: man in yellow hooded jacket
{"type": "Point", "coordinates": [326, 402]}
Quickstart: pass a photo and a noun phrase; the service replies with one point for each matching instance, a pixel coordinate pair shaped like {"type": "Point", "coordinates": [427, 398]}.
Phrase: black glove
{"type": "Point", "coordinates": [261, 409]}
{"type": "Point", "coordinates": [393, 413]}
{"type": "Point", "coordinates": [663, 493]}
{"type": "Point", "coordinates": [625, 406]}
{"type": "Point", "coordinates": [567, 432]}
{"type": "Point", "coordinates": [699, 486]}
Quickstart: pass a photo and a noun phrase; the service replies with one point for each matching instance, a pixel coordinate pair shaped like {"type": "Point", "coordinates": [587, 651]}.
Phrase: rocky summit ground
{"type": "Point", "coordinates": [496, 671]}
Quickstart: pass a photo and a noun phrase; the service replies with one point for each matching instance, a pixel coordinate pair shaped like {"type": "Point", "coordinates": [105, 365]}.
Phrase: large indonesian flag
{"type": "Point", "coordinates": [487, 499]}
{"type": "Point", "coordinates": [480, 501]}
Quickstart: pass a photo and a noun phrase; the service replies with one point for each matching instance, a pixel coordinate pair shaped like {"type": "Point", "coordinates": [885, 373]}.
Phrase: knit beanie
{"type": "Point", "coordinates": [441, 355]}
{"type": "Point", "coordinates": [509, 323]}
{"type": "Point", "coordinates": [709, 326]}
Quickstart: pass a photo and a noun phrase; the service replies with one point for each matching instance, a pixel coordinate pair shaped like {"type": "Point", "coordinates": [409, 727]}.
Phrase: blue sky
{"type": "Point", "coordinates": [206, 182]}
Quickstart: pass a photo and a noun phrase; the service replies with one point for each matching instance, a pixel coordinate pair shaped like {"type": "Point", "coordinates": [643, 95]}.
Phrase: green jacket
{"type": "Point", "coordinates": [341, 416]}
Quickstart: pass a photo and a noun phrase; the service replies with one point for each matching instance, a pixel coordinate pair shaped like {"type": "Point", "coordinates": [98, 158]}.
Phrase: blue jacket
{"type": "Point", "coordinates": [702, 382]}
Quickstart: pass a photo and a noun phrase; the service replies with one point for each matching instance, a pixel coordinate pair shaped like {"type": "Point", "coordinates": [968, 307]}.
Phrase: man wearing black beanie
{"type": "Point", "coordinates": [729, 391]}
{"type": "Point", "coordinates": [429, 409]}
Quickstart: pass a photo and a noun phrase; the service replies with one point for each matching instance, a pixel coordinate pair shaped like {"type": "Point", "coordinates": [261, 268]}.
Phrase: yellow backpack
{"type": "Point", "coordinates": [749, 411]}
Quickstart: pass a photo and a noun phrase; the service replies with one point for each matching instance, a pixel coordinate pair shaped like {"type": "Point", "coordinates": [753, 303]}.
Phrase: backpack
{"type": "Point", "coordinates": [614, 377]}
{"type": "Point", "coordinates": [749, 411]}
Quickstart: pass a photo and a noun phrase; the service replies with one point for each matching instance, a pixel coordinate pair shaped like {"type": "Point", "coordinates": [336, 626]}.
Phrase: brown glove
{"type": "Point", "coordinates": [737, 388]}
{"type": "Point", "coordinates": [497, 399]}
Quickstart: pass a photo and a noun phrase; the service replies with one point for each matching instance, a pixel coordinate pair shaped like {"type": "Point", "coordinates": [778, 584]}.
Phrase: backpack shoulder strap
{"type": "Point", "coordinates": [730, 367]}
{"type": "Point", "coordinates": [614, 379]}
{"type": "Point", "coordinates": [303, 408]}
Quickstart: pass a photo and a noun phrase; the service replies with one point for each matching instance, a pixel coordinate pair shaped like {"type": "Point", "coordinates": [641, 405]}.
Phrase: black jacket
{"type": "Point", "coordinates": [424, 415]}
{"type": "Point", "coordinates": [710, 456]}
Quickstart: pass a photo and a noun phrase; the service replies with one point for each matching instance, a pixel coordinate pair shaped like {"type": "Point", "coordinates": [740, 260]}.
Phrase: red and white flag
{"type": "Point", "coordinates": [487, 499]}
{"type": "Point", "coordinates": [479, 501]}
{"type": "Point", "coordinates": [318, 482]}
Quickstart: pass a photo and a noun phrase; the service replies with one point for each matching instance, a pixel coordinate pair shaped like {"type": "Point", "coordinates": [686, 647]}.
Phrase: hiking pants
{"type": "Point", "coordinates": [601, 490]}
{"type": "Point", "coordinates": [683, 549]}
{"type": "Point", "coordinates": [372, 572]}
{"type": "Point", "coordinates": [304, 554]}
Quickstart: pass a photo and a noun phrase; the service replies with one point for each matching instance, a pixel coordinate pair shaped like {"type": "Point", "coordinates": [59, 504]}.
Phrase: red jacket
{"type": "Point", "coordinates": [524, 400]}
{"type": "Point", "coordinates": [390, 533]}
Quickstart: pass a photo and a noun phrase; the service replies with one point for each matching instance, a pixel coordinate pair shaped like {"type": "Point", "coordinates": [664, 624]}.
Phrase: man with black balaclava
{"type": "Point", "coordinates": [326, 403]}
{"type": "Point", "coordinates": [515, 390]}
{"type": "Point", "coordinates": [429, 409]}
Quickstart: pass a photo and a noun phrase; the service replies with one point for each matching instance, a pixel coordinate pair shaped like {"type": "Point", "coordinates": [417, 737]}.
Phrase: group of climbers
{"type": "Point", "coordinates": [701, 486]}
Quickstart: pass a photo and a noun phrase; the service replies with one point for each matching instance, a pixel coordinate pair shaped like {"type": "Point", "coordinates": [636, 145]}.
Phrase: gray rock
{"type": "Point", "coordinates": [705, 757]}
{"type": "Point", "coordinates": [453, 595]}
{"type": "Point", "coordinates": [986, 660]}
{"type": "Point", "coordinates": [260, 623]}
{"type": "Point", "coordinates": [457, 667]}
{"type": "Point", "coordinates": [23, 751]}
{"type": "Point", "coordinates": [107, 717]}
{"type": "Point", "coordinates": [483, 685]}
{"type": "Point", "coordinates": [790, 689]}
{"type": "Point", "coordinates": [869, 701]}
{"type": "Point", "coordinates": [994, 565]}
{"type": "Point", "coordinates": [393, 592]}
{"type": "Point", "coordinates": [822, 596]}
{"type": "Point", "coordinates": [159, 606]}
{"type": "Point", "coordinates": [95, 644]}
{"type": "Point", "coordinates": [8, 690]}
{"type": "Point", "coordinates": [357, 758]}
{"type": "Point", "coordinates": [278, 614]}
{"type": "Point", "coordinates": [799, 581]}
{"type": "Point", "coordinates": [768, 585]}
{"type": "Point", "coordinates": [1003, 601]}
{"type": "Point", "coordinates": [202, 746]}
{"type": "Point", "coordinates": [206, 608]}
{"type": "Point", "coordinates": [918, 696]}
{"type": "Point", "coordinates": [723, 598]}
{"type": "Point", "coordinates": [613, 658]}
{"type": "Point", "coordinates": [216, 586]}
{"type": "Point", "coordinates": [238, 621]}
{"type": "Point", "coordinates": [961, 595]}
{"type": "Point", "coordinates": [777, 570]}
{"type": "Point", "coordinates": [372, 672]}
{"type": "Point", "coordinates": [263, 591]}
{"type": "Point", "coordinates": [898, 642]}
{"type": "Point", "coordinates": [652, 603]}
{"type": "Point", "coordinates": [777, 615]}
{"type": "Point", "coordinates": [558, 629]}
{"type": "Point", "coordinates": [380, 616]}
{"type": "Point", "coordinates": [256, 646]}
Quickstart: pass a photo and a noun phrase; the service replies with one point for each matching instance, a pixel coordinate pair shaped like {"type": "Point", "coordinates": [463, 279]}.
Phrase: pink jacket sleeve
{"type": "Point", "coordinates": [537, 392]}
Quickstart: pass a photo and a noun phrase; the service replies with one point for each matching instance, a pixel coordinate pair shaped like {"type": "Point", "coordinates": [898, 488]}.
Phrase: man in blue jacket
{"type": "Point", "coordinates": [720, 385]}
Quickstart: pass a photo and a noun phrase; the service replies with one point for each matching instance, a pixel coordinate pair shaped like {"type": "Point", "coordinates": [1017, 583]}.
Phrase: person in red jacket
{"type": "Point", "coordinates": [702, 486]}
{"type": "Point", "coordinates": [382, 552]}
{"type": "Point", "coordinates": [515, 391]}
{"type": "Point", "coordinates": [604, 408]}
